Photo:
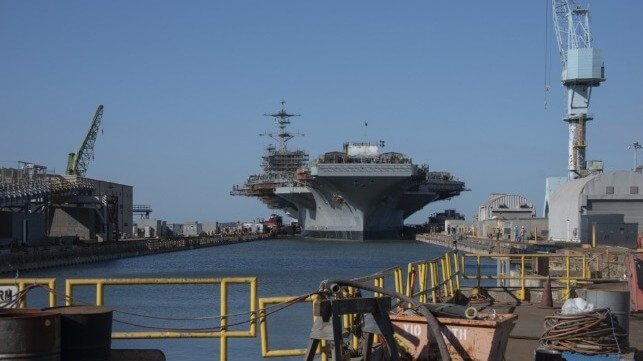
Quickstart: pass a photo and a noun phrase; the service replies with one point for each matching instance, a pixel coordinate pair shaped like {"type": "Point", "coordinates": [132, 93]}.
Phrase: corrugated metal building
{"type": "Point", "coordinates": [506, 206]}
{"type": "Point", "coordinates": [613, 202]}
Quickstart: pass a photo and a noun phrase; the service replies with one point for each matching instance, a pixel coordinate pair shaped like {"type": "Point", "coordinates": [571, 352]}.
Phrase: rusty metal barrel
{"type": "Point", "coordinates": [86, 332]}
{"type": "Point", "coordinates": [29, 335]}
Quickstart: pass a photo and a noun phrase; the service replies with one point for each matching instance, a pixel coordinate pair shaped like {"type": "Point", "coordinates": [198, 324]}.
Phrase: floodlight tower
{"type": "Point", "coordinates": [582, 70]}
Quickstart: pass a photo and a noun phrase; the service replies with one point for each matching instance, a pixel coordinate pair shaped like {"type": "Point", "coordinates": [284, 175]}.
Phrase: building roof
{"type": "Point", "coordinates": [505, 203]}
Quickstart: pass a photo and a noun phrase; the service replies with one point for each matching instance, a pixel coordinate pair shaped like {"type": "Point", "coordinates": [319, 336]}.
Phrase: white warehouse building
{"type": "Point", "coordinates": [612, 202]}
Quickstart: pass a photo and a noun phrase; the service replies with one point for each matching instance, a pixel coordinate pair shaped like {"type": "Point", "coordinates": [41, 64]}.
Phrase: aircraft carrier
{"type": "Point", "coordinates": [358, 193]}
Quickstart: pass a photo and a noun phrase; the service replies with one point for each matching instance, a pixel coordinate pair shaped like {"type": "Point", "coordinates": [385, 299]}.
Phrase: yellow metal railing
{"type": "Point", "coordinates": [433, 280]}
{"type": "Point", "coordinates": [223, 334]}
{"type": "Point", "coordinates": [263, 326]}
{"type": "Point", "coordinates": [23, 283]}
{"type": "Point", "coordinates": [379, 279]}
{"type": "Point", "coordinates": [567, 278]}
{"type": "Point", "coordinates": [439, 276]}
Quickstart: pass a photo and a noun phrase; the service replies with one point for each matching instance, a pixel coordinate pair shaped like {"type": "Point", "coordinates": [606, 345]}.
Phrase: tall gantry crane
{"type": "Point", "coordinates": [582, 70]}
{"type": "Point", "coordinates": [78, 162]}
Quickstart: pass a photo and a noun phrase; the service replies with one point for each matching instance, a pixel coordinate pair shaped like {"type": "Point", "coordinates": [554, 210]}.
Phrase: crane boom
{"type": "Point", "coordinates": [582, 69]}
{"type": "Point", "coordinates": [78, 162]}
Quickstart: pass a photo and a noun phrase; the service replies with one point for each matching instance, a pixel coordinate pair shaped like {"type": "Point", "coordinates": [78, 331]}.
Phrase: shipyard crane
{"type": "Point", "coordinates": [582, 70]}
{"type": "Point", "coordinates": [77, 162]}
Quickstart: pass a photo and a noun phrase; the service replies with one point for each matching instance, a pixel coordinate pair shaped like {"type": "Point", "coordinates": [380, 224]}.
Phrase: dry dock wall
{"type": "Point", "coordinates": [65, 255]}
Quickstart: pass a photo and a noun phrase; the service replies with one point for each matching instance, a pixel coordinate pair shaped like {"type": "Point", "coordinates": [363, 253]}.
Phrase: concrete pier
{"type": "Point", "coordinates": [474, 245]}
{"type": "Point", "coordinates": [31, 258]}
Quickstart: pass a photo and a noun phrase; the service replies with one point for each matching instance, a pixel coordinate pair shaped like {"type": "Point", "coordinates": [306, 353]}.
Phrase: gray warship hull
{"type": "Point", "coordinates": [363, 201]}
{"type": "Point", "coordinates": [356, 194]}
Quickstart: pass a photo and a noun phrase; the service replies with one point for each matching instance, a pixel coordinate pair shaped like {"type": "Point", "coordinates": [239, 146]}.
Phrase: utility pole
{"type": "Point", "coordinates": [635, 147]}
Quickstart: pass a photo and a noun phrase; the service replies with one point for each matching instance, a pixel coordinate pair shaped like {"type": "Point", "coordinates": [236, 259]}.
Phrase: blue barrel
{"type": "Point", "coordinates": [29, 335]}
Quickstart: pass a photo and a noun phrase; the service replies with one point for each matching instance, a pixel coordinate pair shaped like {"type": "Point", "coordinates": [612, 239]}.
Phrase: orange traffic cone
{"type": "Point", "coordinates": [547, 300]}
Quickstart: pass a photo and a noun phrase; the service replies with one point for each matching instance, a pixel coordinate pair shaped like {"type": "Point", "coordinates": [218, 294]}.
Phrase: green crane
{"type": "Point", "coordinates": [77, 162]}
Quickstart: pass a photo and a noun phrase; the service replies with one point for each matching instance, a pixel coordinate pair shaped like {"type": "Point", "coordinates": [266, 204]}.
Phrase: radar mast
{"type": "Point", "coordinates": [282, 119]}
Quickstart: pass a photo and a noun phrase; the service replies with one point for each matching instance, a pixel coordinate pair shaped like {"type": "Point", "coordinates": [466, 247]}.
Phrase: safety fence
{"type": "Point", "coordinates": [431, 280]}
{"type": "Point", "coordinates": [570, 269]}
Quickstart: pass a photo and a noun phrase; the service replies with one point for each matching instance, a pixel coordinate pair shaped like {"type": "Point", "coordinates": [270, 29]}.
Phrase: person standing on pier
{"type": "Point", "coordinates": [516, 234]}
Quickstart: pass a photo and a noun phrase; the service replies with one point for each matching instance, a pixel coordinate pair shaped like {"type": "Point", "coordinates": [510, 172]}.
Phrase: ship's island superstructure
{"type": "Point", "coordinates": [356, 194]}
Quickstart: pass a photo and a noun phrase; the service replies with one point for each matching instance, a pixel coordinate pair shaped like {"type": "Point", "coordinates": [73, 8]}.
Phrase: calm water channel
{"type": "Point", "coordinates": [283, 268]}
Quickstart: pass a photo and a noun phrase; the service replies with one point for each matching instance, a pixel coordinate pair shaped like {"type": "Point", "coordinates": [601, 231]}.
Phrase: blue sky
{"type": "Point", "coordinates": [457, 85]}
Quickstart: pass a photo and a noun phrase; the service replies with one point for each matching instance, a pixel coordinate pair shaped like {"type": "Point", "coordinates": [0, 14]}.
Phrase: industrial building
{"type": "Point", "coordinates": [192, 229]}
{"type": "Point", "coordinates": [36, 206]}
{"type": "Point", "coordinates": [610, 202]}
{"type": "Point", "coordinates": [501, 213]}
{"type": "Point", "coordinates": [151, 228]}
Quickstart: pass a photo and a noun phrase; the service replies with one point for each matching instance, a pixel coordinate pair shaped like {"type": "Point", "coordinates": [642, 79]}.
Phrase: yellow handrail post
{"type": "Point", "coordinates": [52, 293]}
{"type": "Point", "coordinates": [253, 306]}
{"type": "Point", "coordinates": [69, 293]}
{"type": "Point", "coordinates": [445, 287]}
{"type": "Point", "coordinates": [457, 270]}
{"type": "Point", "coordinates": [523, 291]}
{"type": "Point", "coordinates": [409, 279]}
{"type": "Point", "coordinates": [434, 281]}
{"type": "Point", "coordinates": [536, 234]}
{"type": "Point", "coordinates": [23, 299]}
{"type": "Point", "coordinates": [447, 261]}
{"type": "Point", "coordinates": [568, 287]}
{"type": "Point", "coordinates": [223, 348]}
{"type": "Point", "coordinates": [100, 298]}
{"type": "Point", "coordinates": [425, 281]}
{"type": "Point", "coordinates": [399, 280]}
{"type": "Point", "coordinates": [263, 327]}
{"type": "Point", "coordinates": [479, 290]}
{"type": "Point", "coordinates": [594, 235]}
{"type": "Point", "coordinates": [584, 268]}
